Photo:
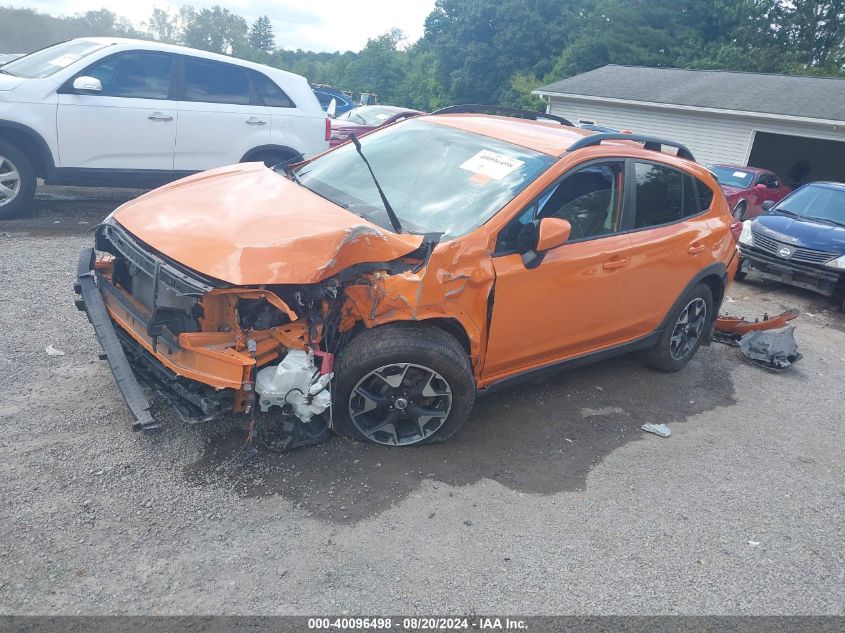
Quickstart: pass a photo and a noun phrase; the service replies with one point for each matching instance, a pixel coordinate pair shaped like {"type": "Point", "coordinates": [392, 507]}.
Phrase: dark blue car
{"type": "Point", "coordinates": [325, 94]}
{"type": "Point", "coordinates": [800, 240]}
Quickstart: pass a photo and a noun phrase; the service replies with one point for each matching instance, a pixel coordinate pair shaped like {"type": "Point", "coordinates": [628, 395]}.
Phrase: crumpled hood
{"type": "Point", "coordinates": [247, 225]}
{"type": "Point", "coordinates": [804, 233]}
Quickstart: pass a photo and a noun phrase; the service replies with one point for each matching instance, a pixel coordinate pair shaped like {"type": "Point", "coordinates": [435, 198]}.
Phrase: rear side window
{"type": "Point", "coordinates": [270, 92]}
{"type": "Point", "coordinates": [213, 82]}
{"type": "Point", "coordinates": [705, 195]}
{"type": "Point", "coordinates": [666, 195]}
{"type": "Point", "coordinates": [134, 75]}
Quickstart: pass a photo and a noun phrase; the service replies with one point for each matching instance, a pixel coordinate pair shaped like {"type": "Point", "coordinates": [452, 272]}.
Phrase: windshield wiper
{"type": "Point", "coordinates": [786, 212]}
{"type": "Point", "coordinates": [291, 173]}
{"type": "Point", "coordinates": [828, 220]}
{"type": "Point", "coordinates": [397, 226]}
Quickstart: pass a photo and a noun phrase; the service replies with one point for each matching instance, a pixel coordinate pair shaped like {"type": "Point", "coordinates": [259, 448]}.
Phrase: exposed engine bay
{"type": "Point", "coordinates": [212, 350]}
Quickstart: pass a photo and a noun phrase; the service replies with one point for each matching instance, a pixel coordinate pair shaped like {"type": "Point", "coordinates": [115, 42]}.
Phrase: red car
{"type": "Point", "coordinates": [365, 119]}
{"type": "Point", "coordinates": [747, 188]}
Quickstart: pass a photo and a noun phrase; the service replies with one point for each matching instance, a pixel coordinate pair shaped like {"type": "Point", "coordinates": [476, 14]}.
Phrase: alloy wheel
{"type": "Point", "coordinates": [688, 328]}
{"type": "Point", "coordinates": [10, 181]}
{"type": "Point", "coordinates": [400, 404]}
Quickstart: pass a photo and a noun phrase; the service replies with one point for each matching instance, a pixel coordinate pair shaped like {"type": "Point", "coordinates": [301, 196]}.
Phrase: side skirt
{"type": "Point", "coordinates": [571, 363]}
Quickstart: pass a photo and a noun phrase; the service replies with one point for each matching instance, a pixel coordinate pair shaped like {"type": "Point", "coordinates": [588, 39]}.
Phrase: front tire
{"type": "Point", "coordinates": [686, 329]}
{"type": "Point", "coordinates": [402, 384]}
{"type": "Point", "coordinates": [17, 181]}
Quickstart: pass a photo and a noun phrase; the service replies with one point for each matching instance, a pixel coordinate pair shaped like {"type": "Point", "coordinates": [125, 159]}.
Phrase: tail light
{"type": "Point", "coordinates": [328, 128]}
{"type": "Point", "coordinates": [736, 230]}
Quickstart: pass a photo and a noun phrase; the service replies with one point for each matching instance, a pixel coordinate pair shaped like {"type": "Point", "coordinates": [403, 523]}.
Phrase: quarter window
{"type": "Point", "coordinates": [705, 195]}
{"type": "Point", "coordinates": [213, 82]}
{"type": "Point", "coordinates": [271, 94]}
{"type": "Point", "coordinates": [134, 75]}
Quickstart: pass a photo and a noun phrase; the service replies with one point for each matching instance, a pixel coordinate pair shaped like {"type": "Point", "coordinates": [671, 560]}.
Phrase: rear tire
{"type": "Point", "coordinates": [17, 181]}
{"type": "Point", "coordinates": [686, 329]}
{"type": "Point", "coordinates": [402, 384]}
{"type": "Point", "coordinates": [272, 159]}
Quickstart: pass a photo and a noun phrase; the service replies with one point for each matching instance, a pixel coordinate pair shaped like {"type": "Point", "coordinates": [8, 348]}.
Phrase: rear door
{"type": "Point", "coordinates": [130, 124]}
{"type": "Point", "coordinates": [671, 241]}
{"type": "Point", "coordinates": [221, 116]}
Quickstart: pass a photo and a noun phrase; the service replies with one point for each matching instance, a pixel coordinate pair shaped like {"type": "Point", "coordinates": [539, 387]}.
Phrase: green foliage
{"type": "Point", "coordinates": [261, 36]}
{"type": "Point", "coordinates": [498, 51]}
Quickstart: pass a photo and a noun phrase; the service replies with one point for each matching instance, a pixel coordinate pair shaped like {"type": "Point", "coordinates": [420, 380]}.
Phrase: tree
{"type": "Point", "coordinates": [261, 35]}
{"type": "Point", "coordinates": [163, 26]}
{"type": "Point", "coordinates": [217, 30]}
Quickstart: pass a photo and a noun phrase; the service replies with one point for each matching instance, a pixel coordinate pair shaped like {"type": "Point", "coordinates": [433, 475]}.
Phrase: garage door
{"type": "Point", "coordinates": [799, 159]}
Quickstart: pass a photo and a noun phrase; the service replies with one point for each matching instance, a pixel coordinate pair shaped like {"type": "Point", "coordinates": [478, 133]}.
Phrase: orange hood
{"type": "Point", "coordinates": [247, 225]}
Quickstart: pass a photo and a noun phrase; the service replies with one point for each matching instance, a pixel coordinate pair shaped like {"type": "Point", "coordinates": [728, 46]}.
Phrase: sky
{"type": "Point", "coordinates": [320, 25]}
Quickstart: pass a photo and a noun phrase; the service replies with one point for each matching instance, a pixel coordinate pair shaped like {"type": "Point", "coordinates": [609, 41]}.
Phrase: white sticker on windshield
{"type": "Point", "coordinates": [491, 164]}
{"type": "Point", "coordinates": [740, 174]}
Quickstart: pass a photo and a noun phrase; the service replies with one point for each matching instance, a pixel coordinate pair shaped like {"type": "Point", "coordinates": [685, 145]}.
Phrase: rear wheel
{"type": "Point", "coordinates": [402, 384]}
{"type": "Point", "coordinates": [17, 181]}
{"type": "Point", "coordinates": [684, 333]}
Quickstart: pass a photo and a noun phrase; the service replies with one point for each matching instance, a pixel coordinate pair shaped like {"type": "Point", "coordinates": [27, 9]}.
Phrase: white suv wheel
{"type": "Point", "coordinates": [10, 181]}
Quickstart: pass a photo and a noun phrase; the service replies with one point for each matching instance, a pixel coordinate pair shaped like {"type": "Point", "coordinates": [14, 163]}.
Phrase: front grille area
{"type": "Point", "coordinates": [799, 254]}
{"type": "Point", "coordinates": [167, 292]}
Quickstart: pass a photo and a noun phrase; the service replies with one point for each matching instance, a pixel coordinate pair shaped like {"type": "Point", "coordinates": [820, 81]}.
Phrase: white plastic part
{"type": "Point", "coordinates": [297, 382]}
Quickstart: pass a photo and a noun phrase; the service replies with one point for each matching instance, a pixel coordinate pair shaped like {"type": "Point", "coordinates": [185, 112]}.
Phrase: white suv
{"type": "Point", "coordinates": [129, 113]}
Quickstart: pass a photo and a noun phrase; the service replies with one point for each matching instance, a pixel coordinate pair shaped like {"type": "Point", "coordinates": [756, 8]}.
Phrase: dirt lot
{"type": "Point", "coordinates": [549, 500]}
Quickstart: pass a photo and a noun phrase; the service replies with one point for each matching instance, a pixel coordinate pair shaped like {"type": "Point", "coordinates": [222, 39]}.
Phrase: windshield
{"type": "Point", "coordinates": [368, 115]}
{"type": "Point", "coordinates": [815, 202]}
{"type": "Point", "coordinates": [732, 177]}
{"type": "Point", "coordinates": [436, 178]}
{"type": "Point", "coordinates": [51, 60]}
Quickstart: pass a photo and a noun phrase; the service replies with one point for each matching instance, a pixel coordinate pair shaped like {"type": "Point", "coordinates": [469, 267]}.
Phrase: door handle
{"type": "Point", "coordinates": [614, 264]}
{"type": "Point", "coordinates": [255, 121]}
{"type": "Point", "coordinates": [159, 116]}
{"type": "Point", "coordinates": [696, 248]}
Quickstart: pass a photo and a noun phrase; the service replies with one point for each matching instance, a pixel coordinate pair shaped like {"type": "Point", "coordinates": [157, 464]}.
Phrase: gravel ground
{"type": "Point", "coordinates": [550, 500]}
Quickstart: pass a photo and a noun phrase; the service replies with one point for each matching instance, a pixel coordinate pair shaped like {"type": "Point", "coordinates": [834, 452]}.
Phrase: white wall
{"type": "Point", "coordinates": [713, 138]}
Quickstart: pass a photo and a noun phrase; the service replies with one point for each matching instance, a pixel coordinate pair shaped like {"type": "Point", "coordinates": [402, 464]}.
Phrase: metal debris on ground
{"type": "Point", "coordinates": [730, 329]}
{"type": "Point", "coordinates": [658, 429]}
{"type": "Point", "coordinates": [773, 350]}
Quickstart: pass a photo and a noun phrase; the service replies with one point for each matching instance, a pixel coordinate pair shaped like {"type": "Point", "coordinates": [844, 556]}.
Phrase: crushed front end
{"type": "Point", "coordinates": [202, 343]}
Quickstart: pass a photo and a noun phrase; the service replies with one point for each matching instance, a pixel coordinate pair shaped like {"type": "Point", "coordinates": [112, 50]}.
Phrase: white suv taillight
{"type": "Point", "coordinates": [328, 128]}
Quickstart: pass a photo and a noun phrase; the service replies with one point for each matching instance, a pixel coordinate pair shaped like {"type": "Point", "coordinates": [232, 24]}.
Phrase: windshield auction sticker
{"type": "Point", "coordinates": [487, 163]}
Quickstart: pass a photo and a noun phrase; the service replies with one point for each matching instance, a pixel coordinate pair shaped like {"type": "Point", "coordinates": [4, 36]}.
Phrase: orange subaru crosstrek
{"type": "Point", "coordinates": [378, 288]}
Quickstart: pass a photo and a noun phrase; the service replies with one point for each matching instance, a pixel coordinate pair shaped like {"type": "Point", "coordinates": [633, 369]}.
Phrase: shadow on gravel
{"type": "Point", "coordinates": [539, 438]}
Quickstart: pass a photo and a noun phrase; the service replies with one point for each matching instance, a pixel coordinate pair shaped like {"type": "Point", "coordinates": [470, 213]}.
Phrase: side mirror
{"type": "Point", "coordinates": [768, 204]}
{"type": "Point", "coordinates": [90, 85]}
{"type": "Point", "coordinates": [541, 236]}
{"type": "Point", "coordinates": [761, 185]}
{"type": "Point", "coordinates": [332, 109]}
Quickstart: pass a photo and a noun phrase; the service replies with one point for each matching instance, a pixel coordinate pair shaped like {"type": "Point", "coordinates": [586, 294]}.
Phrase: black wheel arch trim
{"type": "Point", "coordinates": [716, 270]}
{"type": "Point", "coordinates": [45, 161]}
{"type": "Point", "coordinates": [296, 155]}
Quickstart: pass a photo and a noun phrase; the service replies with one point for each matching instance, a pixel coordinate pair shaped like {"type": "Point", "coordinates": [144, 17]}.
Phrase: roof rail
{"type": "Point", "coordinates": [476, 108]}
{"type": "Point", "coordinates": [650, 143]}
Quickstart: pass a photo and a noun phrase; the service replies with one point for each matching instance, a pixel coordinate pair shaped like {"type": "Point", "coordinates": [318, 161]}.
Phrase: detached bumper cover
{"type": "Point", "coordinates": [92, 304]}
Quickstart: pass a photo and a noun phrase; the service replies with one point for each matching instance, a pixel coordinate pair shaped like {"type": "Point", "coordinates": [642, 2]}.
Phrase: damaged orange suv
{"type": "Point", "coordinates": [378, 288]}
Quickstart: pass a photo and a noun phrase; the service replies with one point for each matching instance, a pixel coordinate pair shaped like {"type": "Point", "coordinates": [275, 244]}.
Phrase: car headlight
{"type": "Point", "coordinates": [746, 236]}
{"type": "Point", "coordinates": [839, 263]}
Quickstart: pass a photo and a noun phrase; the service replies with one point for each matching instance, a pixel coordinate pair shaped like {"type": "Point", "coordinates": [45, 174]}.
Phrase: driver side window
{"type": "Point", "coordinates": [590, 198]}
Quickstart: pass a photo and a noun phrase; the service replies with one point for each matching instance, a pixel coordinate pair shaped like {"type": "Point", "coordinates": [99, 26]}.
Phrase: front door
{"type": "Point", "coordinates": [567, 305]}
{"type": "Point", "coordinates": [129, 125]}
